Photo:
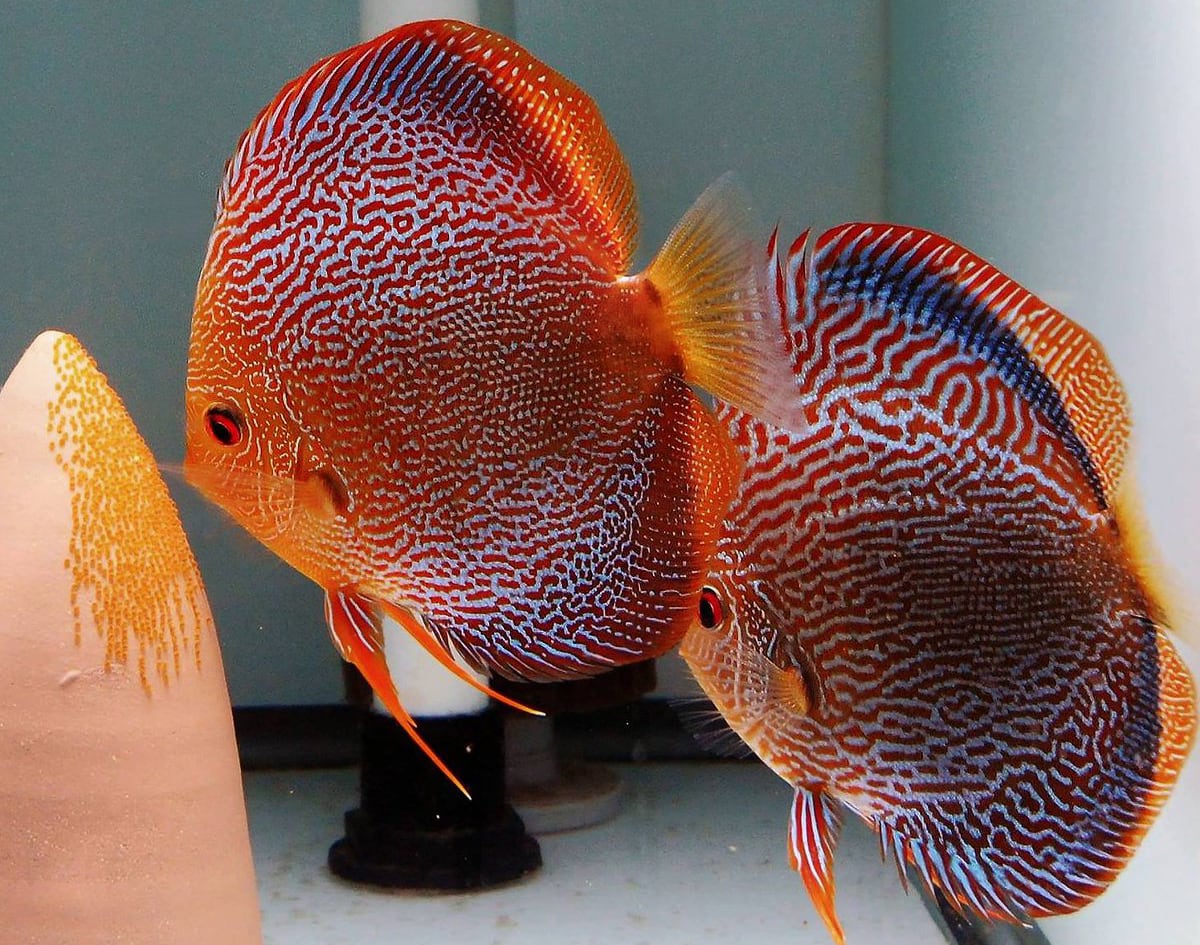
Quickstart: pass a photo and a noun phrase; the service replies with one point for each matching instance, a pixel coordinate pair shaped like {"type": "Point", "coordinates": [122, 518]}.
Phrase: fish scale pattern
{"type": "Point", "coordinates": [410, 282]}
{"type": "Point", "coordinates": [937, 554]}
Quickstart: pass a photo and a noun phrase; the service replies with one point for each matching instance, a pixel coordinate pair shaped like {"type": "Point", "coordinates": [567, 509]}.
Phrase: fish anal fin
{"type": "Point", "coordinates": [812, 836]}
{"type": "Point", "coordinates": [966, 889]}
{"type": "Point", "coordinates": [354, 625]}
{"type": "Point", "coordinates": [710, 289]}
{"type": "Point", "coordinates": [689, 472]}
{"type": "Point", "coordinates": [417, 629]}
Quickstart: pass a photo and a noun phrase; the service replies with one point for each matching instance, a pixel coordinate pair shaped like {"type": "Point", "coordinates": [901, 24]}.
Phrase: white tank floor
{"type": "Point", "coordinates": [697, 854]}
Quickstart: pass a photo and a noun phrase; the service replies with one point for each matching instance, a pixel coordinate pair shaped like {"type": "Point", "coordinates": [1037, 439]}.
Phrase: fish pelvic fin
{"type": "Point", "coordinates": [708, 281]}
{"type": "Point", "coordinates": [354, 625]}
{"type": "Point", "coordinates": [418, 630]}
{"type": "Point", "coordinates": [813, 831]}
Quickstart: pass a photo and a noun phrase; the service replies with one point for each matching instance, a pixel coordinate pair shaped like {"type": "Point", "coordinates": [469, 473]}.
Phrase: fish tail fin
{"type": "Point", "coordinates": [709, 279]}
{"type": "Point", "coordinates": [812, 836]}
{"type": "Point", "coordinates": [1169, 603]}
{"type": "Point", "coordinates": [354, 626]}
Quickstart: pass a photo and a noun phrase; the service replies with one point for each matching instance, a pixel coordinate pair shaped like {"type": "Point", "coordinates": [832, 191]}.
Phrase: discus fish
{"type": "Point", "coordinates": [419, 372]}
{"type": "Point", "coordinates": [931, 606]}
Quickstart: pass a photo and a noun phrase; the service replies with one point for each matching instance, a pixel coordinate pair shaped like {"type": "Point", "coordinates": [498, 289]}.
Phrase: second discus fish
{"type": "Point", "coordinates": [931, 608]}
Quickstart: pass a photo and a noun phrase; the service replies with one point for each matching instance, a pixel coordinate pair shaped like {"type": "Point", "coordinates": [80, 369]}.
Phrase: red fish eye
{"type": "Point", "coordinates": [224, 425]}
{"type": "Point", "coordinates": [712, 611]}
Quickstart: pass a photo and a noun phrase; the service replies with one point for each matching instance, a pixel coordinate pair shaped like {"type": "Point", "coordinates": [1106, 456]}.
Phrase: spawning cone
{"type": "Point", "coordinates": [119, 779]}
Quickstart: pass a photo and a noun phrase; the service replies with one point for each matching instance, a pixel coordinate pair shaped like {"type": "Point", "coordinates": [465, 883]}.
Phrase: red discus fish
{"type": "Point", "coordinates": [420, 374]}
{"type": "Point", "coordinates": [930, 607]}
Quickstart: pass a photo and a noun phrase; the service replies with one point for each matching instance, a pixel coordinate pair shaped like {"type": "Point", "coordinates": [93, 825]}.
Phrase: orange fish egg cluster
{"type": "Point", "coordinates": [152, 612]}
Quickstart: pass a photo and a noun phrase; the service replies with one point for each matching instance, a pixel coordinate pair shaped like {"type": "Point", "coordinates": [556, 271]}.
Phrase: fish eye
{"type": "Point", "coordinates": [712, 611]}
{"type": "Point", "coordinates": [224, 424]}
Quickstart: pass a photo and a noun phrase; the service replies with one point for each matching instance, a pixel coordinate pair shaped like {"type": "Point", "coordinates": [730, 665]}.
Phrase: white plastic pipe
{"type": "Point", "coordinates": [426, 688]}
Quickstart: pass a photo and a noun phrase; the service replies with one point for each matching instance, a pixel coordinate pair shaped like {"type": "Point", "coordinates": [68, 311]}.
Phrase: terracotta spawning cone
{"type": "Point", "coordinates": [120, 793]}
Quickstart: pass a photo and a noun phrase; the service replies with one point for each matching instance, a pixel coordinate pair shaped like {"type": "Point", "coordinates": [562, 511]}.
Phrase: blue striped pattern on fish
{"type": "Point", "coordinates": [908, 276]}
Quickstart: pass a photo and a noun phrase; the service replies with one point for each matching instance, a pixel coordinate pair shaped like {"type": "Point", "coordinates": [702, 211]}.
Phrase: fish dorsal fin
{"type": "Point", "coordinates": [1053, 363]}
{"type": "Point", "coordinates": [488, 79]}
{"type": "Point", "coordinates": [813, 831]}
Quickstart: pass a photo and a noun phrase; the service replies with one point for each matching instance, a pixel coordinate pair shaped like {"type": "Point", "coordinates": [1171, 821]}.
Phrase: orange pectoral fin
{"type": "Point", "coordinates": [419, 632]}
{"type": "Point", "coordinates": [354, 625]}
{"type": "Point", "coordinates": [812, 835]}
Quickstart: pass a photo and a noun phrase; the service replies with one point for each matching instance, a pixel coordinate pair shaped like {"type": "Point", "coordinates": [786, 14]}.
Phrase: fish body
{"type": "Point", "coordinates": [930, 607]}
{"type": "Point", "coordinates": [420, 372]}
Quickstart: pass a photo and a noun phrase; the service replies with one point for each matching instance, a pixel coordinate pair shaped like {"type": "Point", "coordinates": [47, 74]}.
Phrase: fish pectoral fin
{"type": "Point", "coordinates": [418, 630]}
{"type": "Point", "coordinates": [709, 281]}
{"type": "Point", "coordinates": [813, 831]}
{"type": "Point", "coordinates": [790, 685]}
{"type": "Point", "coordinates": [357, 634]}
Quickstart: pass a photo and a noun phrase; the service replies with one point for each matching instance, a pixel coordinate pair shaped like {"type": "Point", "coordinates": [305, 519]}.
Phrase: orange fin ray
{"type": "Point", "coordinates": [354, 626]}
{"type": "Point", "coordinates": [420, 632]}
{"type": "Point", "coordinates": [813, 832]}
{"type": "Point", "coordinates": [710, 279]}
